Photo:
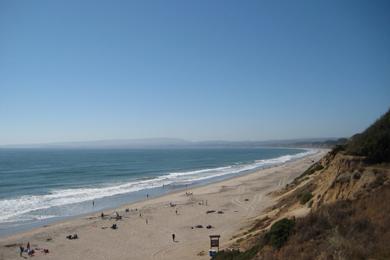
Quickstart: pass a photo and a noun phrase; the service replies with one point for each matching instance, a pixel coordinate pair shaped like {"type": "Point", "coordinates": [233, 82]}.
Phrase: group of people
{"type": "Point", "coordinates": [29, 251]}
{"type": "Point", "coordinates": [117, 216]}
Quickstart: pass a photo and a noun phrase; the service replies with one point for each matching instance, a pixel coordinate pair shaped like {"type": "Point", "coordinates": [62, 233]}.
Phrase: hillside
{"type": "Point", "coordinates": [374, 142]}
{"type": "Point", "coordinates": [337, 209]}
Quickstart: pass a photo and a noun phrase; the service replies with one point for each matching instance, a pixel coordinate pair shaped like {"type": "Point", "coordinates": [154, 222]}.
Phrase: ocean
{"type": "Point", "coordinates": [39, 186]}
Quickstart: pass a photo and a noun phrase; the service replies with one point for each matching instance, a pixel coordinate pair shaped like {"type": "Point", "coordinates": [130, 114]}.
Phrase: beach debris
{"type": "Point", "coordinates": [210, 211]}
{"type": "Point", "coordinates": [199, 226]}
{"type": "Point", "coordinates": [201, 253]}
{"type": "Point", "coordinates": [71, 237]}
{"type": "Point", "coordinates": [114, 226]}
{"type": "Point", "coordinates": [209, 226]}
{"type": "Point", "coordinates": [127, 210]}
{"type": "Point", "coordinates": [220, 212]}
{"type": "Point", "coordinates": [12, 245]}
{"type": "Point", "coordinates": [246, 199]}
{"type": "Point", "coordinates": [49, 239]}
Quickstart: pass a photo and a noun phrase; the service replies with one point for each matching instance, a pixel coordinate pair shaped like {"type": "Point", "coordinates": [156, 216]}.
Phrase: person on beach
{"type": "Point", "coordinates": [93, 203]}
{"type": "Point", "coordinates": [147, 195]}
{"type": "Point", "coordinates": [28, 246]}
{"type": "Point", "coordinates": [21, 250]}
{"type": "Point", "coordinates": [146, 220]}
{"type": "Point", "coordinates": [173, 237]}
{"type": "Point", "coordinates": [176, 212]}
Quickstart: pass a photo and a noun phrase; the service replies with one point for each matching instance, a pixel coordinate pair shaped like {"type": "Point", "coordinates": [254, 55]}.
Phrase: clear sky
{"type": "Point", "coordinates": [197, 70]}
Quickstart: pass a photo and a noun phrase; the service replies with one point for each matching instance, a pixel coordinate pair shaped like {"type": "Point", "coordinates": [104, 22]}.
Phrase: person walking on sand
{"type": "Point", "coordinates": [173, 237]}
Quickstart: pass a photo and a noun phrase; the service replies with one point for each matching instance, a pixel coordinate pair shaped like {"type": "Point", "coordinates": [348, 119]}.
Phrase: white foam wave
{"type": "Point", "coordinates": [17, 209]}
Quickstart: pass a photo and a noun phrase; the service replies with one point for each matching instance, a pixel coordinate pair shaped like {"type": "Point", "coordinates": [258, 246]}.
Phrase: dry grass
{"type": "Point", "coordinates": [358, 229]}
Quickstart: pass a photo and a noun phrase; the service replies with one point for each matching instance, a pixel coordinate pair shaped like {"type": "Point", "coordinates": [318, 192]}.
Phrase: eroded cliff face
{"type": "Point", "coordinates": [347, 217]}
{"type": "Point", "coordinates": [345, 177]}
{"type": "Point", "coordinates": [341, 210]}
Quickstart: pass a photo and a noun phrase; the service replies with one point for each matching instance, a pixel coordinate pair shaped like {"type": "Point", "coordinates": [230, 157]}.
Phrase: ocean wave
{"type": "Point", "coordinates": [20, 208]}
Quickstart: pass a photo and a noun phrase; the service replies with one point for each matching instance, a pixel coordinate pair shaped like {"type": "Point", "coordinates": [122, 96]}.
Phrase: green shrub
{"type": "Point", "coordinates": [337, 149]}
{"type": "Point", "coordinates": [305, 197]}
{"type": "Point", "coordinates": [228, 254]}
{"type": "Point", "coordinates": [374, 142]}
{"type": "Point", "coordinates": [238, 255]}
{"type": "Point", "coordinates": [279, 233]}
{"type": "Point", "coordinates": [276, 237]}
{"type": "Point", "coordinates": [312, 169]}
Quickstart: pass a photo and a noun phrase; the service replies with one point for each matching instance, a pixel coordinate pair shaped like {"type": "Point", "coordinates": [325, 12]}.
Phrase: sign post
{"type": "Point", "coordinates": [214, 243]}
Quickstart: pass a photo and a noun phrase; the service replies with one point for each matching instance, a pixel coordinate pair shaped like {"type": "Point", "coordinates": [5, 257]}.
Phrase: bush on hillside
{"type": "Point", "coordinates": [305, 197]}
{"type": "Point", "coordinates": [374, 142]}
{"type": "Point", "coordinates": [279, 233]}
{"type": "Point", "coordinates": [237, 254]}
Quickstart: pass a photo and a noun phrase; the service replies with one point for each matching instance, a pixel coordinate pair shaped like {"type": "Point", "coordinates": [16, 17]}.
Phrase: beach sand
{"type": "Point", "coordinates": [240, 199]}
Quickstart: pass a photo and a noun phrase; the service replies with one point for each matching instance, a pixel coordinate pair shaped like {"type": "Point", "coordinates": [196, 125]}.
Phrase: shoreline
{"type": "Point", "coordinates": [156, 209]}
{"type": "Point", "coordinates": [134, 197]}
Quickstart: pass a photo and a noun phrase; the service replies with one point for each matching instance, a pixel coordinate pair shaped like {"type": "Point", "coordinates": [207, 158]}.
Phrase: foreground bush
{"type": "Point", "coordinates": [279, 233]}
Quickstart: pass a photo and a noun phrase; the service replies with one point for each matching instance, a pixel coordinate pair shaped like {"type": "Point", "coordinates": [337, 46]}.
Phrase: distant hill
{"type": "Point", "coordinates": [109, 144]}
{"type": "Point", "coordinates": [153, 143]}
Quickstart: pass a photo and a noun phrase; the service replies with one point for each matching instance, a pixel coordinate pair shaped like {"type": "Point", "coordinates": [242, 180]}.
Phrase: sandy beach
{"type": "Point", "coordinates": [145, 231]}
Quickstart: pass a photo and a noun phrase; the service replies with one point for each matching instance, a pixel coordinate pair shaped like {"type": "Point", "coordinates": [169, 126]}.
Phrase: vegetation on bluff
{"type": "Point", "coordinates": [374, 142]}
{"type": "Point", "coordinates": [276, 237]}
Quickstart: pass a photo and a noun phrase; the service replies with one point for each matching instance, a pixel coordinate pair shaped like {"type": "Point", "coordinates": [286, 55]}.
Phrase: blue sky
{"type": "Point", "coordinates": [198, 70]}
